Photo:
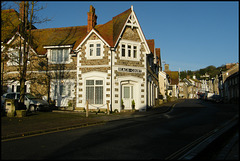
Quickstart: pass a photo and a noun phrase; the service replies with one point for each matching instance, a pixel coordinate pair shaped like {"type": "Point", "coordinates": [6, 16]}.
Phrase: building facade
{"type": "Point", "coordinates": [95, 64]}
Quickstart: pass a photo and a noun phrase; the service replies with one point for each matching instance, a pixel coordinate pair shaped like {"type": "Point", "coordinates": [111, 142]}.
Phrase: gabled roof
{"type": "Point", "coordinates": [174, 76]}
{"type": "Point", "coordinates": [109, 31]}
{"type": "Point", "coordinates": [74, 36]}
{"type": "Point", "coordinates": [158, 56]}
{"type": "Point", "coordinates": [57, 37]}
{"type": "Point", "coordinates": [118, 24]}
{"type": "Point", "coordinates": [151, 45]}
{"type": "Point", "coordinates": [9, 24]}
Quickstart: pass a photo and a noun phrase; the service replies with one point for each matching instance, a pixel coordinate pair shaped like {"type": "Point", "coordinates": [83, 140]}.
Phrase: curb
{"type": "Point", "coordinates": [52, 130]}
{"type": "Point", "coordinates": [57, 129]}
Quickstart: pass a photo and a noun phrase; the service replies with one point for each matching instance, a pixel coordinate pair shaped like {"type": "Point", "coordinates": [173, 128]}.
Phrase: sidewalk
{"type": "Point", "coordinates": [41, 122]}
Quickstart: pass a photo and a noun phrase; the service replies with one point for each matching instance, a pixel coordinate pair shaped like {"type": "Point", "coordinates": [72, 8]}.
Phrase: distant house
{"type": "Point", "coordinates": [183, 89]}
{"type": "Point", "coordinates": [229, 84]}
{"type": "Point", "coordinates": [108, 63]}
{"type": "Point", "coordinates": [172, 90]}
{"type": "Point", "coordinates": [163, 84]}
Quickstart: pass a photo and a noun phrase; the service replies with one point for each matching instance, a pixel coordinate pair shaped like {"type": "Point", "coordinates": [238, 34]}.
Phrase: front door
{"type": "Point", "coordinates": [127, 96]}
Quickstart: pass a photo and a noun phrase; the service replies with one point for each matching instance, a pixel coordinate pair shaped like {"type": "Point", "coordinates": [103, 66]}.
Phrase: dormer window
{"type": "Point", "coordinates": [60, 55]}
{"type": "Point", "coordinates": [94, 49]}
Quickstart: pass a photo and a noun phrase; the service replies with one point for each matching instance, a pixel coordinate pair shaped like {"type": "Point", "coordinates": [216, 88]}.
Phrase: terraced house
{"type": "Point", "coordinates": [108, 63]}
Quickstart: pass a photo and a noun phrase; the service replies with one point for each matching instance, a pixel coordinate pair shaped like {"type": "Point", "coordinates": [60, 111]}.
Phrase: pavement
{"type": "Point", "coordinates": [48, 122]}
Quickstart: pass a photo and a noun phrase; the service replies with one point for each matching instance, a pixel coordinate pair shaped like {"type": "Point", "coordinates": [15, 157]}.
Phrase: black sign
{"type": "Point", "coordinates": [129, 70]}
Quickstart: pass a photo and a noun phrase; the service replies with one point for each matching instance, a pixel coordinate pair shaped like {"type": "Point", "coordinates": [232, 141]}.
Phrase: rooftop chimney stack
{"type": "Point", "coordinates": [166, 67]}
{"type": "Point", "coordinates": [92, 19]}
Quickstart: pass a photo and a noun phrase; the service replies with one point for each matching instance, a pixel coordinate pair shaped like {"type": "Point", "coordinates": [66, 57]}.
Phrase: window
{"type": "Point", "coordinates": [59, 55]}
{"type": "Point", "coordinates": [63, 90]}
{"type": "Point", "coordinates": [126, 92]}
{"type": "Point", "coordinates": [94, 91]}
{"type": "Point", "coordinates": [11, 96]}
{"type": "Point", "coordinates": [98, 50]}
{"type": "Point", "coordinates": [123, 50]}
{"type": "Point", "coordinates": [14, 58]}
{"type": "Point", "coordinates": [129, 50]}
{"type": "Point", "coordinates": [55, 90]}
{"type": "Point", "coordinates": [134, 51]}
{"type": "Point", "coordinates": [94, 49]}
{"type": "Point", "coordinates": [91, 49]}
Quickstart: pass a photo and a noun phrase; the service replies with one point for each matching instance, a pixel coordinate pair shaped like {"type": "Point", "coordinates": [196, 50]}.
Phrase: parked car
{"type": "Point", "coordinates": [201, 95]}
{"type": "Point", "coordinates": [217, 98]}
{"type": "Point", "coordinates": [31, 102]}
{"type": "Point", "coordinates": [208, 96]}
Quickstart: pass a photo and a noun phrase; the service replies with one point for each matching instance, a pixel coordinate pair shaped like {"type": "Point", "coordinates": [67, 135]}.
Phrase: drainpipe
{"type": "Point", "coordinates": [111, 49]}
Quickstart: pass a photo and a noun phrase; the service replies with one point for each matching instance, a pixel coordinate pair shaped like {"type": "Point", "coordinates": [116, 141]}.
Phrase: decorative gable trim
{"type": "Point", "coordinates": [14, 37]}
{"type": "Point", "coordinates": [90, 33]}
{"type": "Point", "coordinates": [133, 22]}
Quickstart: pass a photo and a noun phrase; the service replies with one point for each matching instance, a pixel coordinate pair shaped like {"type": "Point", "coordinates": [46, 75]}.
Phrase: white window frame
{"type": "Point", "coordinates": [94, 90]}
{"type": "Point", "coordinates": [67, 51]}
{"type": "Point", "coordinates": [130, 44]}
{"type": "Point", "coordinates": [62, 84]}
{"type": "Point", "coordinates": [11, 61]}
{"type": "Point", "coordinates": [94, 49]}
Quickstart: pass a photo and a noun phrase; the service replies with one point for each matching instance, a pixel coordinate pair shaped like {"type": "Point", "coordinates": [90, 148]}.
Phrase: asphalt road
{"type": "Point", "coordinates": [154, 136]}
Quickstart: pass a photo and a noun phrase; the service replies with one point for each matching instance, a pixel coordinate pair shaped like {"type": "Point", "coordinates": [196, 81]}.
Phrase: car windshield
{"type": "Point", "coordinates": [30, 96]}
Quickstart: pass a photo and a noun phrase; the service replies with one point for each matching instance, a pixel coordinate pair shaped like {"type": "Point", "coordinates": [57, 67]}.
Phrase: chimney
{"type": "Point", "coordinates": [166, 67]}
{"type": "Point", "coordinates": [92, 19]}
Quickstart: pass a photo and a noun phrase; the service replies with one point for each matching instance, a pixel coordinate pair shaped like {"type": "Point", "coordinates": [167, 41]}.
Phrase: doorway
{"type": "Point", "coordinates": [127, 96]}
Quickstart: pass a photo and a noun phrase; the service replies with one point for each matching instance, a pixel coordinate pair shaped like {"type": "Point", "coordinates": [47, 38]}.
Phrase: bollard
{"type": "Point", "coordinates": [108, 108]}
{"type": "Point", "coordinates": [10, 107]}
{"type": "Point", "coordinates": [86, 108]}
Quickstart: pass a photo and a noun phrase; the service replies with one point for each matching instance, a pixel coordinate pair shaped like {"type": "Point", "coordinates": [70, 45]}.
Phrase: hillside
{"type": "Point", "coordinates": [211, 70]}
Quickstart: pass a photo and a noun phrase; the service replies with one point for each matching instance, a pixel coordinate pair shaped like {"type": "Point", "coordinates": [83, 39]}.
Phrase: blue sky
{"type": "Point", "coordinates": [191, 34]}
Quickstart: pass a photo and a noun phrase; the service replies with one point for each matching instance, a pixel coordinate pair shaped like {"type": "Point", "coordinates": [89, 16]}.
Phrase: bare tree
{"type": "Point", "coordinates": [28, 17]}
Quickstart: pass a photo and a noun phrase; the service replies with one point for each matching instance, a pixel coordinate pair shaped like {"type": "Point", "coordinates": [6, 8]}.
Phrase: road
{"type": "Point", "coordinates": [151, 136]}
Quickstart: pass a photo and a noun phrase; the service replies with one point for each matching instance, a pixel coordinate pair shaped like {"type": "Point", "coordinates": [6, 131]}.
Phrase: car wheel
{"type": "Point", "coordinates": [31, 108]}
